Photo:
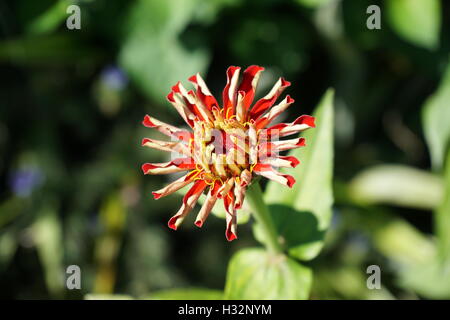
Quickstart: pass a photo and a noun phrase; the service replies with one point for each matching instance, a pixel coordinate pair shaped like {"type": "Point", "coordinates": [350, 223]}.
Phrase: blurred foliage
{"type": "Point", "coordinates": [71, 103]}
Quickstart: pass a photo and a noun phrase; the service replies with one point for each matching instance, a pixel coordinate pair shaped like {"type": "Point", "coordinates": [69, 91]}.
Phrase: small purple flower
{"type": "Point", "coordinates": [114, 78]}
{"type": "Point", "coordinates": [24, 180]}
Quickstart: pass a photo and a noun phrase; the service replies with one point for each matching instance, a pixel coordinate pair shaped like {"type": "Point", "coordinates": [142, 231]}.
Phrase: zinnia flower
{"type": "Point", "coordinates": [225, 146]}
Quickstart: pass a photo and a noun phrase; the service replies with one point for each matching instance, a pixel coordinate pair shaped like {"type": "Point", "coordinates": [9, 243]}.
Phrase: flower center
{"type": "Point", "coordinates": [224, 149]}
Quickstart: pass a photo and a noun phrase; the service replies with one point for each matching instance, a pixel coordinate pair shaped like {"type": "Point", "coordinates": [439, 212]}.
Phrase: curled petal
{"type": "Point", "coordinates": [239, 193]}
{"type": "Point", "coordinates": [166, 146]}
{"type": "Point", "coordinates": [248, 85]}
{"type": "Point", "coordinates": [230, 91]}
{"type": "Point", "coordinates": [180, 164]}
{"type": "Point", "coordinates": [231, 230]}
{"type": "Point", "coordinates": [210, 201]}
{"type": "Point", "coordinates": [226, 187]}
{"type": "Point", "coordinates": [245, 178]}
{"type": "Point", "coordinates": [267, 171]}
{"type": "Point", "coordinates": [172, 187]}
{"type": "Point", "coordinates": [178, 101]}
{"type": "Point", "coordinates": [189, 201]}
{"type": "Point", "coordinates": [253, 143]}
{"type": "Point", "coordinates": [192, 102]}
{"type": "Point", "coordinates": [167, 129]}
{"type": "Point", "coordinates": [240, 107]}
{"type": "Point", "coordinates": [285, 129]}
{"type": "Point", "coordinates": [203, 92]}
{"type": "Point", "coordinates": [281, 161]}
{"type": "Point", "coordinates": [274, 112]}
{"type": "Point", "coordinates": [265, 103]}
{"type": "Point", "coordinates": [283, 145]}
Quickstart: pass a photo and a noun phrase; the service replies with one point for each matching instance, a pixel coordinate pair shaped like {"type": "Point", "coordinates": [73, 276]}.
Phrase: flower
{"type": "Point", "coordinates": [226, 146]}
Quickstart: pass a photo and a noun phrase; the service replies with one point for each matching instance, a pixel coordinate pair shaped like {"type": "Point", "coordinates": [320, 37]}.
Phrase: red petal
{"type": "Point", "coordinates": [265, 103]}
{"type": "Point", "coordinates": [249, 83]}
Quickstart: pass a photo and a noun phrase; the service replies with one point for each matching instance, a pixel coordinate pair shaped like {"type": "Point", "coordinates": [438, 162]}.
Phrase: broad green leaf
{"type": "Point", "coordinates": [152, 53]}
{"type": "Point", "coordinates": [303, 213]}
{"type": "Point", "coordinates": [436, 119]}
{"type": "Point", "coordinates": [186, 294]}
{"type": "Point", "coordinates": [417, 21]}
{"type": "Point", "coordinates": [397, 185]}
{"type": "Point", "coordinates": [255, 274]}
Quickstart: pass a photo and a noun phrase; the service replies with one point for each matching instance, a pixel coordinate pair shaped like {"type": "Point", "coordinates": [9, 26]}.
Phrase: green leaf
{"type": "Point", "coordinates": [397, 185]}
{"type": "Point", "coordinates": [152, 53]}
{"type": "Point", "coordinates": [430, 279]}
{"type": "Point", "coordinates": [303, 213]}
{"type": "Point", "coordinates": [403, 243]}
{"type": "Point", "coordinates": [47, 231]}
{"type": "Point", "coordinates": [50, 19]}
{"type": "Point", "coordinates": [436, 119]}
{"type": "Point", "coordinates": [442, 217]}
{"type": "Point", "coordinates": [312, 3]}
{"type": "Point", "coordinates": [254, 274]}
{"type": "Point", "coordinates": [417, 21]}
{"type": "Point", "coordinates": [187, 294]}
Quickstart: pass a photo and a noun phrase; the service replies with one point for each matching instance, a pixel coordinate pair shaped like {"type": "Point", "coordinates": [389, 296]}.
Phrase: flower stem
{"type": "Point", "coordinates": [254, 198]}
{"type": "Point", "coordinates": [442, 216]}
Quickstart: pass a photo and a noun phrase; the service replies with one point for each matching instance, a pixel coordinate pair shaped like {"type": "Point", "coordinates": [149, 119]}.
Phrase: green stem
{"type": "Point", "coordinates": [442, 216]}
{"type": "Point", "coordinates": [254, 198]}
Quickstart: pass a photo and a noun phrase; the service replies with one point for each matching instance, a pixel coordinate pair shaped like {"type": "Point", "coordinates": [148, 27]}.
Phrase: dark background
{"type": "Point", "coordinates": [71, 106]}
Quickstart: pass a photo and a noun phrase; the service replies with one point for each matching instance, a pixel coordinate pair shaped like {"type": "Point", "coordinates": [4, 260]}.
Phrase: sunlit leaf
{"type": "Point", "coordinates": [416, 21]}
{"type": "Point", "coordinates": [259, 275]}
{"type": "Point", "coordinates": [397, 185]}
{"type": "Point", "coordinates": [303, 213]}
{"type": "Point", "coordinates": [47, 232]}
{"type": "Point", "coordinates": [436, 119]}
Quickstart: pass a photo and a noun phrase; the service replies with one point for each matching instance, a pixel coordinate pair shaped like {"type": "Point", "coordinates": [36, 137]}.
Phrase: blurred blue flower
{"type": "Point", "coordinates": [114, 78]}
{"type": "Point", "coordinates": [23, 181]}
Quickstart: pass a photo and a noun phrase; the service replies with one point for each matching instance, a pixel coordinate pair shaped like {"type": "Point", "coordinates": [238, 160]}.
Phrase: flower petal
{"type": "Point", "coordinates": [189, 201]}
{"type": "Point", "coordinates": [177, 147]}
{"type": "Point", "coordinates": [285, 129]}
{"type": "Point", "coordinates": [167, 129]}
{"type": "Point", "coordinates": [174, 186]}
{"type": "Point", "coordinates": [270, 149]}
{"type": "Point", "coordinates": [265, 103]}
{"type": "Point", "coordinates": [230, 91]}
{"type": "Point", "coordinates": [281, 161]}
{"type": "Point", "coordinates": [209, 203]}
{"type": "Point", "coordinates": [177, 100]}
{"type": "Point", "coordinates": [249, 83]}
{"type": "Point", "coordinates": [231, 230]}
{"type": "Point", "coordinates": [177, 165]}
{"type": "Point", "coordinates": [274, 112]}
{"type": "Point", "coordinates": [203, 92]}
{"type": "Point", "coordinates": [267, 171]}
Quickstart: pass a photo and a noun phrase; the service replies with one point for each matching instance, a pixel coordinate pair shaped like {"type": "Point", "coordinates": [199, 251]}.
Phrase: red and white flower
{"type": "Point", "coordinates": [226, 145]}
